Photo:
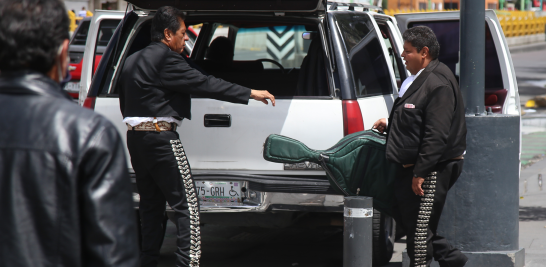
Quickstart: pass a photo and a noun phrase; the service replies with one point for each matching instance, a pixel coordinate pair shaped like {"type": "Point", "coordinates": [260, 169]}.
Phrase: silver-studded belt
{"type": "Point", "coordinates": [153, 127]}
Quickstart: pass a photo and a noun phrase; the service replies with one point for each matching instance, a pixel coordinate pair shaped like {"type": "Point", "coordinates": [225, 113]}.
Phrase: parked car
{"type": "Point", "coordinates": [108, 24]}
{"type": "Point", "coordinates": [335, 68]}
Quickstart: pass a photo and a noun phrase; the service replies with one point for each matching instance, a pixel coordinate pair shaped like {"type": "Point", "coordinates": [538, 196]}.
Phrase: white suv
{"type": "Point", "coordinates": [334, 69]}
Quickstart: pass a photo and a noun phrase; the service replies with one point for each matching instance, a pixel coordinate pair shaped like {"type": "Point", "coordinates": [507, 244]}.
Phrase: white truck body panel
{"type": "Point", "coordinates": [239, 147]}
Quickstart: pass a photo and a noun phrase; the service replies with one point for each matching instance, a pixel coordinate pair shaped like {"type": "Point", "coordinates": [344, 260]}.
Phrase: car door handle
{"type": "Point", "coordinates": [217, 120]}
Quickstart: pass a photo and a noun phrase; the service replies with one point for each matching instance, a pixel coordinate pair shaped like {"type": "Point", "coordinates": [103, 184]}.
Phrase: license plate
{"type": "Point", "coordinates": [215, 192]}
{"type": "Point", "coordinates": [72, 86]}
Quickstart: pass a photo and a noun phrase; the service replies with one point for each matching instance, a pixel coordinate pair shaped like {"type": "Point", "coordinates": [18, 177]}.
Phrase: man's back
{"type": "Point", "coordinates": [65, 195]}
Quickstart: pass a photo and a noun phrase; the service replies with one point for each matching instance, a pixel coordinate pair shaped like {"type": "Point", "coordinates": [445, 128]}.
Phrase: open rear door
{"type": "Point", "coordinates": [501, 90]}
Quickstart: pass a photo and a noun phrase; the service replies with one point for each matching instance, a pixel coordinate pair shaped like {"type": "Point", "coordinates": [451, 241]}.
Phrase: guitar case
{"type": "Point", "coordinates": [355, 166]}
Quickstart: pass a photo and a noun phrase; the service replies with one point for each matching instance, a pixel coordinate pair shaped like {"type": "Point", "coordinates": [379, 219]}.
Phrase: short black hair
{"type": "Point", "coordinates": [31, 32]}
{"type": "Point", "coordinates": [421, 36]}
{"type": "Point", "coordinates": [166, 17]}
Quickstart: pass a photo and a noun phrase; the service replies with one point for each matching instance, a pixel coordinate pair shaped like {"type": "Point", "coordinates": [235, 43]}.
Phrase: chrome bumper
{"type": "Point", "coordinates": [260, 201]}
{"type": "Point", "coordinates": [264, 201]}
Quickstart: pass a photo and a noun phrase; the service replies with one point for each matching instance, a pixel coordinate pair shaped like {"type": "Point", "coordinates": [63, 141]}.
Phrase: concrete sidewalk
{"type": "Point", "coordinates": [532, 214]}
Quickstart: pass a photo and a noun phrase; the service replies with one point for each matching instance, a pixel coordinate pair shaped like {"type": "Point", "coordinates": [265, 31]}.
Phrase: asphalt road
{"type": "Point", "coordinates": [531, 75]}
{"type": "Point", "coordinates": [322, 246]}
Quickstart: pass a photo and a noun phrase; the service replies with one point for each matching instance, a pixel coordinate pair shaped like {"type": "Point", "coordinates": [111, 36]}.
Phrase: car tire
{"type": "Point", "coordinates": [383, 234]}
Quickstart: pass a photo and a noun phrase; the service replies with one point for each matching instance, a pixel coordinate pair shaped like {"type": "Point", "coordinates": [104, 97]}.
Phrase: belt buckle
{"type": "Point", "coordinates": [157, 129]}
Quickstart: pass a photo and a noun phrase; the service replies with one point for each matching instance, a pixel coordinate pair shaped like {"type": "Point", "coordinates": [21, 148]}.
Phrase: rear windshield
{"type": "Point", "coordinates": [80, 36]}
{"type": "Point", "coordinates": [283, 44]}
{"type": "Point", "coordinates": [256, 54]}
{"type": "Point", "coordinates": [447, 33]}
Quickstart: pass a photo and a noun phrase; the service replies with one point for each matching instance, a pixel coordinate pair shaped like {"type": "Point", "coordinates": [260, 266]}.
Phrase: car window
{"type": "Point", "coordinates": [80, 36]}
{"type": "Point", "coordinates": [301, 75]}
{"type": "Point", "coordinates": [107, 28]}
{"type": "Point", "coordinates": [369, 68]}
{"type": "Point", "coordinates": [353, 28]}
{"type": "Point", "coordinates": [447, 33]}
{"type": "Point", "coordinates": [394, 53]}
{"type": "Point", "coordinates": [283, 44]}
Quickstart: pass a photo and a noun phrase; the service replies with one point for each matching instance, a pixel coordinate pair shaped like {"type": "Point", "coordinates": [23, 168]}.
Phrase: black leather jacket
{"type": "Point", "coordinates": [157, 82]}
{"type": "Point", "coordinates": [427, 125]}
{"type": "Point", "coordinates": [65, 194]}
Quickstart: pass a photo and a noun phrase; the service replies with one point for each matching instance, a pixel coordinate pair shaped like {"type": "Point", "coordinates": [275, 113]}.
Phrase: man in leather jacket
{"type": "Point", "coordinates": [65, 194]}
{"type": "Point", "coordinates": [426, 136]}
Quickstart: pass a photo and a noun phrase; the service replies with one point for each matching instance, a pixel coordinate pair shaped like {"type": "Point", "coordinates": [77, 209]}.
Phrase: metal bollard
{"type": "Point", "coordinates": [357, 232]}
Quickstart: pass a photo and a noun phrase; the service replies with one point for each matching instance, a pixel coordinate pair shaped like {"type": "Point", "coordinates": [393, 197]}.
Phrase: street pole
{"type": "Point", "coordinates": [357, 232]}
{"type": "Point", "coordinates": [472, 62]}
{"type": "Point", "coordinates": [481, 212]}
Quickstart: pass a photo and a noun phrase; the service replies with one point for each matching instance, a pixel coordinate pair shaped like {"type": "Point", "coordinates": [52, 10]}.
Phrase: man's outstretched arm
{"type": "Point", "coordinates": [178, 75]}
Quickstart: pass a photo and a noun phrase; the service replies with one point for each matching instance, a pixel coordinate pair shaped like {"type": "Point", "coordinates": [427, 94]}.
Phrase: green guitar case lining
{"type": "Point", "coordinates": [355, 165]}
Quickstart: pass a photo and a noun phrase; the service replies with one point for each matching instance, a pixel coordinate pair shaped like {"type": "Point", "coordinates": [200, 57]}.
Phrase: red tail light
{"type": "Point", "coordinates": [352, 117]}
{"type": "Point", "coordinates": [89, 102]}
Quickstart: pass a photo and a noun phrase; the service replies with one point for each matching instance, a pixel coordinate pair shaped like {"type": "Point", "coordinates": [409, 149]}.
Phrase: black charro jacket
{"type": "Point", "coordinates": [427, 125]}
{"type": "Point", "coordinates": [157, 82]}
{"type": "Point", "coordinates": [65, 193]}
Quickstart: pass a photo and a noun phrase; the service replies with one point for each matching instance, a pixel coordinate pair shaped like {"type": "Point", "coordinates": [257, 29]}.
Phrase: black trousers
{"type": "Point", "coordinates": [419, 216]}
{"type": "Point", "coordinates": [163, 174]}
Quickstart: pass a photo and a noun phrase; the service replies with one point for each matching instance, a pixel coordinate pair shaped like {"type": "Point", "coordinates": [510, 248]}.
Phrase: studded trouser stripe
{"type": "Point", "coordinates": [193, 205]}
{"type": "Point", "coordinates": [425, 209]}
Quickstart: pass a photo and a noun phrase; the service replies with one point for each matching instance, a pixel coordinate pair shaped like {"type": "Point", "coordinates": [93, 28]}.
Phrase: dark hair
{"type": "Point", "coordinates": [220, 50]}
{"type": "Point", "coordinates": [421, 36]}
{"type": "Point", "coordinates": [31, 32]}
{"type": "Point", "coordinates": [166, 17]}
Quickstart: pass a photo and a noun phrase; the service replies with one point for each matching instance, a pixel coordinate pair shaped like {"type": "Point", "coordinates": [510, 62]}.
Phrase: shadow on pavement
{"type": "Point", "coordinates": [532, 214]}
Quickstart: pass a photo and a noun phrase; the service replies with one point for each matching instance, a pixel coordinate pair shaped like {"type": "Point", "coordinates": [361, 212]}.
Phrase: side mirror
{"type": "Point", "coordinates": [308, 35]}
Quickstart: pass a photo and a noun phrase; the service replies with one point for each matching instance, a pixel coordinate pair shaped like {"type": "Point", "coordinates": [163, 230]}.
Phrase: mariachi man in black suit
{"type": "Point", "coordinates": [426, 136]}
{"type": "Point", "coordinates": [156, 84]}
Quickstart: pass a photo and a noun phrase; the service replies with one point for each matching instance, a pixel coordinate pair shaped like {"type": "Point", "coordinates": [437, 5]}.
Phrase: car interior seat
{"type": "Point", "coordinates": [312, 76]}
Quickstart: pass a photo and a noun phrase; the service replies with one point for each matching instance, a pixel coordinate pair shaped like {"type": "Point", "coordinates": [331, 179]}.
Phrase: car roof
{"type": "Point", "coordinates": [234, 5]}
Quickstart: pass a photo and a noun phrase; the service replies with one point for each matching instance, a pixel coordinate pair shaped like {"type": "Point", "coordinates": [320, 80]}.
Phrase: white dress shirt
{"type": "Point", "coordinates": [407, 83]}
{"type": "Point", "coordinates": [134, 121]}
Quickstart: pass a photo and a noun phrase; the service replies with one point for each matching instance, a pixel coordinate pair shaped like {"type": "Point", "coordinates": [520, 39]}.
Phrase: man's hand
{"type": "Point", "coordinates": [262, 95]}
{"type": "Point", "coordinates": [380, 125]}
{"type": "Point", "coordinates": [416, 186]}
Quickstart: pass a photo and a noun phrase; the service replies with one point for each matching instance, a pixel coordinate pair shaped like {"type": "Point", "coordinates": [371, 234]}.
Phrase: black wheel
{"type": "Point", "coordinates": [139, 228]}
{"type": "Point", "coordinates": [384, 229]}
